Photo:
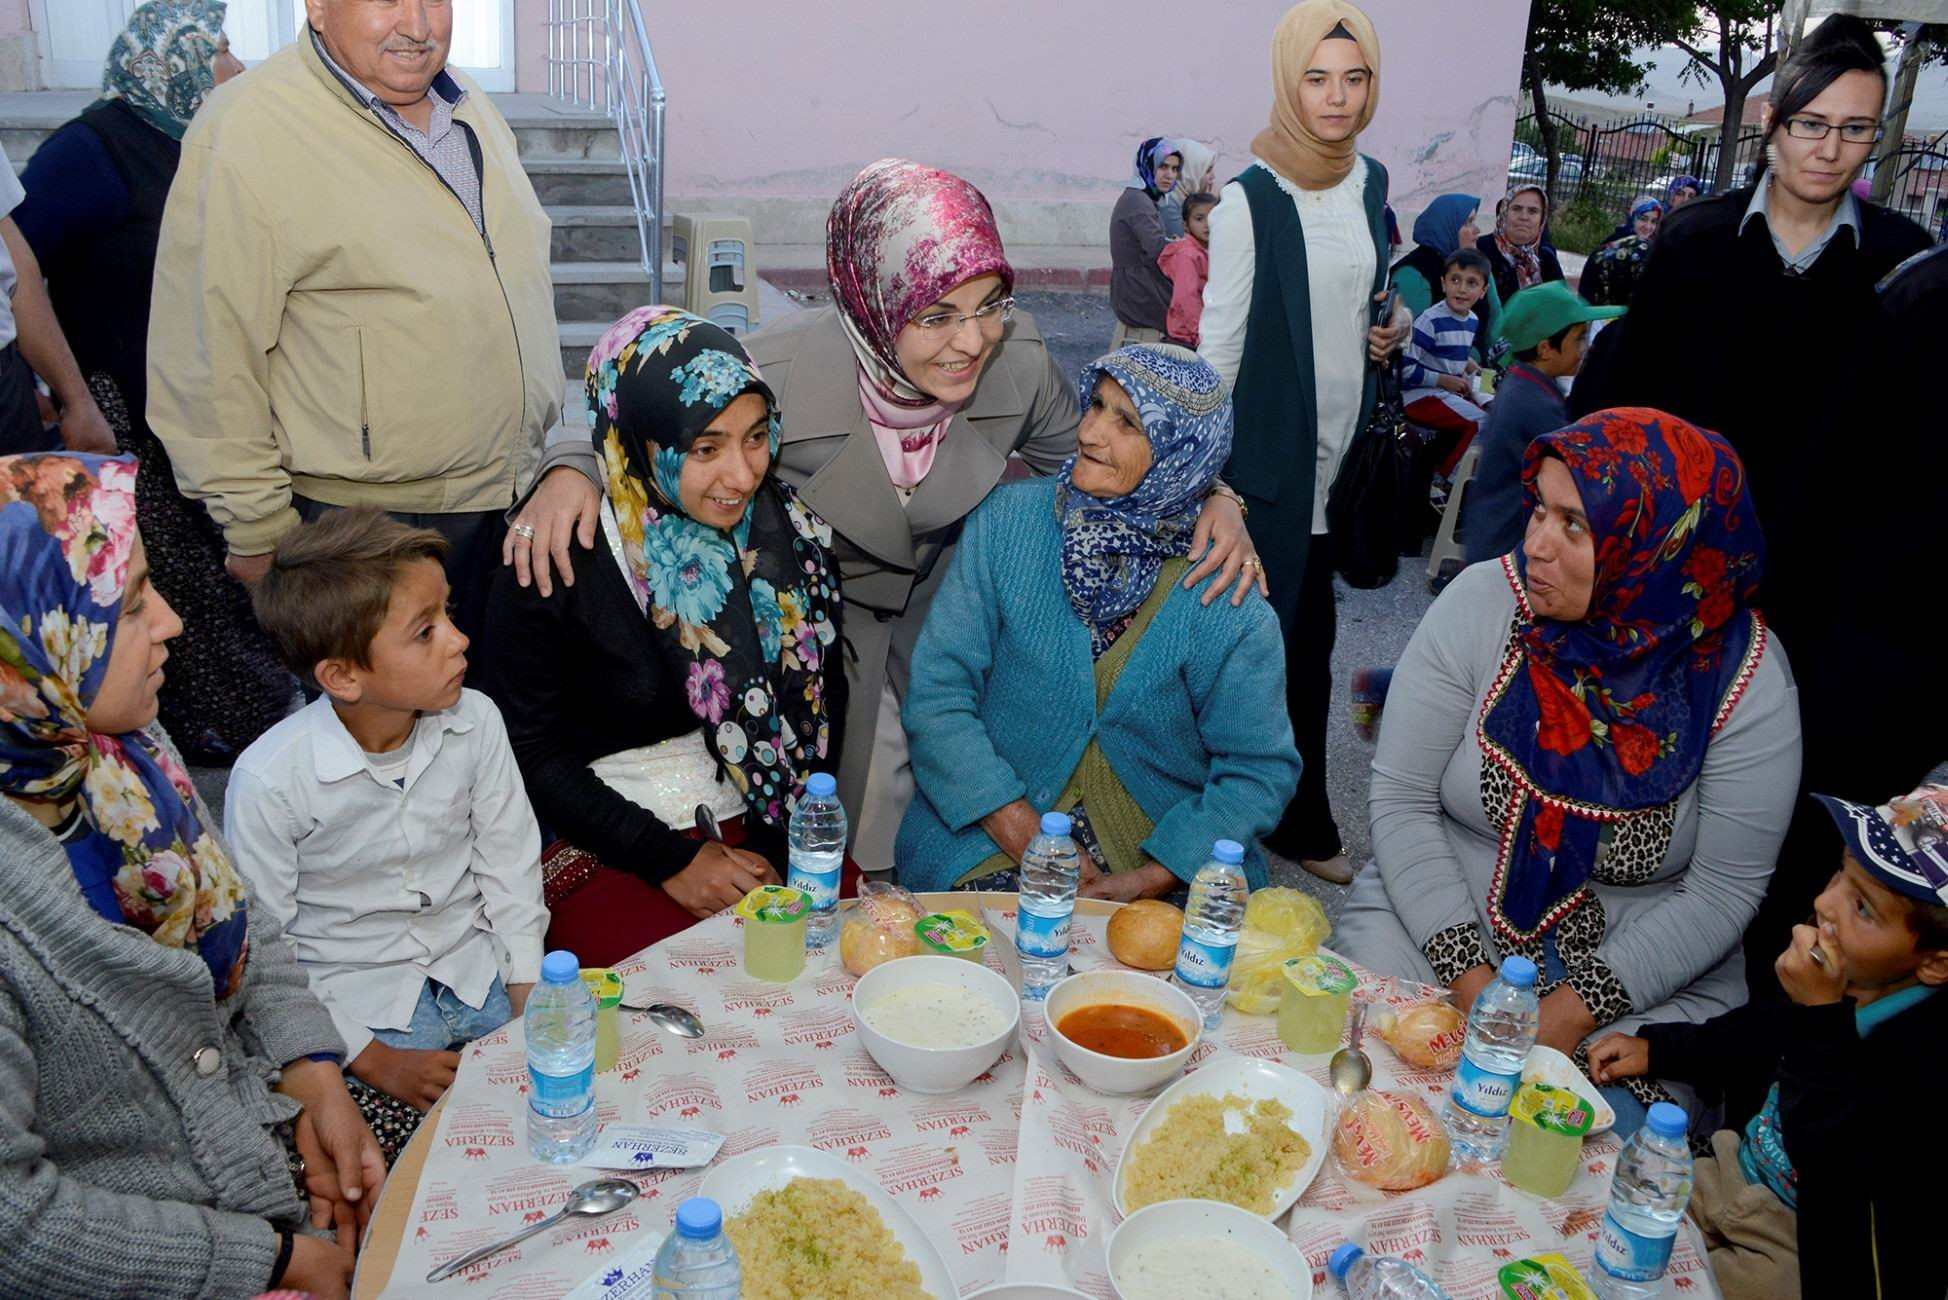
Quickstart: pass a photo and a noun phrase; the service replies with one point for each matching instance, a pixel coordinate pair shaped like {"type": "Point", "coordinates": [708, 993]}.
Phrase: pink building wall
{"type": "Point", "coordinates": [1039, 101]}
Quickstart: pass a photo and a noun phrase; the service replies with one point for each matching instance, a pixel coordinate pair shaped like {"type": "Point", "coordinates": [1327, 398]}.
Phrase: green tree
{"type": "Point", "coordinates": [1593, 45]}
{"type": "Point", "coordinates": [1736, 44]}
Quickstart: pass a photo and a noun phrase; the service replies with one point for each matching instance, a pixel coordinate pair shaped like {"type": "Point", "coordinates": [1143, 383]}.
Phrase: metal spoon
{"type": "Point", "coordinates": [707, 823]}
{"type": "Point", "coordinates": [591, 1200]}
{"type": "Point", "coordinates": [678, 1020]}
{"type": "Point", "coordinates": [1350, 1068]}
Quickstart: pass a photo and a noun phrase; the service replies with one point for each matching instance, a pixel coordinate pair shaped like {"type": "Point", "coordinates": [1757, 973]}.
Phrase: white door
{"type": "Point", "coordinates": [75, 35]}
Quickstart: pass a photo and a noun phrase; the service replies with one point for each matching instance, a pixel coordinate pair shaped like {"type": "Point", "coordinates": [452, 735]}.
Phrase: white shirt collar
{"type": "Point", "coordinates": [337, 755]}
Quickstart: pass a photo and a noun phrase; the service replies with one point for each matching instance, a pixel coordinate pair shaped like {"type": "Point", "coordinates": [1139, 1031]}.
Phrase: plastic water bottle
{"type": "Point", "coordinates": [1049, 871]}
{"type": "Point", "coordinates": [1501, 1030]}
{"type": "Point", "coordinates": [1648, 1194]}
{"type": "Point", "coordinates": [697, 1261]}
{"type": "Point", "coordinates": [816, 840]}
{"type": "Point", "coordinates": [1380, 1277]}
{"type": "Point", "coordinates": [560, 1026]}
{"type": "Point", "coordinates": [1215, 914]}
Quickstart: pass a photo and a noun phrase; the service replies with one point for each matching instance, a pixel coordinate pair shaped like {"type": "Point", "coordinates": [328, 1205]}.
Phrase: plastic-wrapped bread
{"type": "Point", "coordinates": [877, 926]}
{"type": "Point", "coordinates": [1426, 1034]}
{"type": "Point", "coordinates": [1390, 1140]}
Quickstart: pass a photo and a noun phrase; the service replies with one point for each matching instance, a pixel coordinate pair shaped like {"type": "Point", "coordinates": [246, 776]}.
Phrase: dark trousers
{"type": "Point", "coordinates": [21, 430]}
{"type": "Point", "coordinates": [473, 541]}
{"type": "Point", "coordinates": [1302, 597]}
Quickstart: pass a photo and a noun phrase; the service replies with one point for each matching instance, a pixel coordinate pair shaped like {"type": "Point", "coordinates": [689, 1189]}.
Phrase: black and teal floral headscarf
{"type": "Point", "coordinates": [745, 618]}
{"type": "Point", "coordinates": [163, 63]}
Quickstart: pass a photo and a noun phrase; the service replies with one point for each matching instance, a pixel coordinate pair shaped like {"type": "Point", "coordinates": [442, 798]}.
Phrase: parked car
{"type": "Point", "coordinates": [1526, 164]}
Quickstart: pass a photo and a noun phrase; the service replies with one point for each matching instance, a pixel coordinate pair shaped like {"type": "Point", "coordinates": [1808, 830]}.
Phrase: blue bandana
{"type": "Point", "coordinates": [1439, 225]}
{"type": "Point", "coordinates": [1148, 155]}
{"type": "Point", "coordinates": [1112, 549]}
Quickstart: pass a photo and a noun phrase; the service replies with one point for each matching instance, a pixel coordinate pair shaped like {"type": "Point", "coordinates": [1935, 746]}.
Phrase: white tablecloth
{"type": "Point", "coordinates": [1011, 1177]}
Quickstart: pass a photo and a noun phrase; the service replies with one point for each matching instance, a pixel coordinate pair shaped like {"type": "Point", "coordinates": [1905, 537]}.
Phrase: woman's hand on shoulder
{"type": "Point", "coordinates": [1224, 544]}
{"type": "Point", "coordinates": [718, 877]}
{"type": "Point", "coordinates": [563, 504]}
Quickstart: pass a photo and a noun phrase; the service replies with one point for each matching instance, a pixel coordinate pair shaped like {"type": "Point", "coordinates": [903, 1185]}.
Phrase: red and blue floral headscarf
{"type": "Point", "coordinates": [1609, 717]}
{"type": "Point", "coordinates": [140, 853]}
{"type": "Point", "coordinates": [745, 618]}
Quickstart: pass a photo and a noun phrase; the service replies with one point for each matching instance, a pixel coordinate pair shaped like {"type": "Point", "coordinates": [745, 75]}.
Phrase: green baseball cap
{"type": "Point", "coordinates": [1537, 313]}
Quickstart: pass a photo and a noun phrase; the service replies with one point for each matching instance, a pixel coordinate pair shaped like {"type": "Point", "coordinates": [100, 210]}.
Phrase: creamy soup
{"type": "Point", "coordinates": [1210, 1268]}
{"type": "Point", "coordinates": [935, 1015]}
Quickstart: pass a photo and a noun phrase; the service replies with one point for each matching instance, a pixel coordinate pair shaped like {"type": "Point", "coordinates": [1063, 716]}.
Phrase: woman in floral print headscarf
{"type": "Point", "coordinates": [1596, 752]}
{"type": "Point", "coordinates": [690, 659]}
{"type": "Point", "coordinates": [158, 1042]}
{"type": "Point", "coordinates": [731, 570]}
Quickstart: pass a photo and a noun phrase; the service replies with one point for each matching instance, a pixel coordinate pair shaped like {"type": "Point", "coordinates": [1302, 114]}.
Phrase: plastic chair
{"type": "Point", "coordinates": [1447, 545]}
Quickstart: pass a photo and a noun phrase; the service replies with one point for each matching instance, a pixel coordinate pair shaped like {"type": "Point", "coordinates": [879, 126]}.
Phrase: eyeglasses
{"type": "Point", "coordinates": [1812, 128]}
{"type": "Point", "coordinates": [991, 317]}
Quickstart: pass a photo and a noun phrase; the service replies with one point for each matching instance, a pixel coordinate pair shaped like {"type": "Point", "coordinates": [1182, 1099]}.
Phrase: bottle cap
{"type": "Point", "coordinates": [1667, 1120]}
{"type": "Point", "coordinates": [1229, 852]}
{"type": "Point", "coordinates": [1519, 971]}
{"type": "Point", "coordinates": [1343, 1259]}
{"type": "Point", "coordinates": [820, 785]}
{"type": "Point", "coordinates": [1056, 824]}
{"type": "Point", "coordinates": [560, 967]}
{"type": "Point", "coordinates": [699, 1218]}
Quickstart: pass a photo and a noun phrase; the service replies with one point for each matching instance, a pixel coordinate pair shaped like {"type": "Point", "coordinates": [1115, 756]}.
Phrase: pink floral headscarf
{"type": "Point", "coordinates": [141, 855]}
{"type": "Point", "coordinates": [901, 236]}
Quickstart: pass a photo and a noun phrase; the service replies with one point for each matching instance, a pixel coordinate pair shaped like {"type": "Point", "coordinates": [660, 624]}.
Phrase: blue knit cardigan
{"type": "Point", "coordinates": [1003, 702]}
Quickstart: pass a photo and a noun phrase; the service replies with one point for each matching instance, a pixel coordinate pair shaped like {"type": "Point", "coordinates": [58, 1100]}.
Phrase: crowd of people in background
{"type": "Point", "coordinates": [304, 501]}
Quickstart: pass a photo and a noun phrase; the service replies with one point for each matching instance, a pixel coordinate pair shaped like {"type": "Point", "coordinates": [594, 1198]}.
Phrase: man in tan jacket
{"type": "Point", "coordinates": [352, 299]}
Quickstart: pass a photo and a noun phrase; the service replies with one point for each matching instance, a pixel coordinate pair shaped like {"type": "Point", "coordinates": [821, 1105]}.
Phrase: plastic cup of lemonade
{"type": "Point", "coordinates": [1312, 1005]}
{"type": "Point", "coordinates": [774, 932]}
{"type": "Point", "coordinates": [605, 986]}
{"type": "Point", "coordinates": [953, 934]}
{"type": "Point", "coordinates": [1545, 1138]}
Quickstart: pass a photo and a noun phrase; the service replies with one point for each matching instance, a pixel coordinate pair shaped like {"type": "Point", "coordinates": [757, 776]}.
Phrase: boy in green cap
{"type": "Point", "coordinates": [1547, 327]}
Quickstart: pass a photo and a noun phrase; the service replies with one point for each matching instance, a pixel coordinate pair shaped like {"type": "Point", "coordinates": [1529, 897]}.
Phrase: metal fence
{"type": "Point", "coordinates": [1610, 163]}
{"type": "Point", "coordinates": [1920, 185]}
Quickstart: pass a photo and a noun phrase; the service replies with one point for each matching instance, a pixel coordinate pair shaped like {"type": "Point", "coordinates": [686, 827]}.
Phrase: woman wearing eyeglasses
{"type": "Point", "coordinates": [1755, 316]}
{"type": "Point", "coordinates": [899, 407]}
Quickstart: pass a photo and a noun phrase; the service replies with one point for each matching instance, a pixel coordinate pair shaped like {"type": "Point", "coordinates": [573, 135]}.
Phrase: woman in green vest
{"type": "Point", "coordinates": [1298, 261]}
{"type": "Point", "coordinates": [1064, 666]}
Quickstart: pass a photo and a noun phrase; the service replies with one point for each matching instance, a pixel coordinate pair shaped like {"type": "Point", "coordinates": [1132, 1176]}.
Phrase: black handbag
{"type": "Point", "coordinates": [1371, 493]}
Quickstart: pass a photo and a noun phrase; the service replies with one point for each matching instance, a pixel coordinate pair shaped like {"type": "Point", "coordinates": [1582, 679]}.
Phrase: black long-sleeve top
{"type": "Point", "coordinates": [578, 676]}
{"type": "Point", "coordinates": [1857, 1118]}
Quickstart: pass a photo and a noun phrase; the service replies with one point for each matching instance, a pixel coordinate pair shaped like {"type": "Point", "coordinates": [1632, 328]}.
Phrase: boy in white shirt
{"type": "Point", "coordinates": [384, 825]}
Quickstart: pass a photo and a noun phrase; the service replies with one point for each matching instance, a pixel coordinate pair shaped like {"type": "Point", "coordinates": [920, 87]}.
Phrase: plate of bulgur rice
{"type": "Point", "coordinates": [807, 1224]}
{"type": "Point", "coordinates": [1246, 1132]}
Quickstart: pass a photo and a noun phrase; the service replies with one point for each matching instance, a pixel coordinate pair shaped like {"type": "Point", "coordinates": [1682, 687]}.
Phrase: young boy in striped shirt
{"type": "Point", "coordinates": [1438, 370]}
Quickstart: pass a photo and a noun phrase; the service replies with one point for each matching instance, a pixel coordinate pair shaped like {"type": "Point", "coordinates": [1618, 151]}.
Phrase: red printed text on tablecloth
{"type": "Point", "coordinates": [849, 1132]}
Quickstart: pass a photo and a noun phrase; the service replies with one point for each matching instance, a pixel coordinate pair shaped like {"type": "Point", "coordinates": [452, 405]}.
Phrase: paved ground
{"type": "Point", "coordinates": [1373, 625]}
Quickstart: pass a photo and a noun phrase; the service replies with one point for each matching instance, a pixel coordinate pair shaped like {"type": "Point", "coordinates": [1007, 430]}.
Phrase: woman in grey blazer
{"type": "Point", "coordinates": [900, 407]}
{"type": "Point", "coordinates": [1590, 749]}
{"type": "Point", "coordinates": [163, 1064]}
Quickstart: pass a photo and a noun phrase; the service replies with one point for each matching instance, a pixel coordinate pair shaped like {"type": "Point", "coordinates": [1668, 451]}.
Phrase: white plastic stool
{"type": "Point", "coordinates": [1446, 547]}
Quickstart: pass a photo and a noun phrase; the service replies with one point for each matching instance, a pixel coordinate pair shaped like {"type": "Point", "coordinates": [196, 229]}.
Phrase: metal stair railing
{"type": "Point", "coordinates": [599, 59]}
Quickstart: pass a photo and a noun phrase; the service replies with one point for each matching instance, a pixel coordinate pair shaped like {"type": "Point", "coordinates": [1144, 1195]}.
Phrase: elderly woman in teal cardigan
{"type": "Point", "coordinates": [1065, 667]}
